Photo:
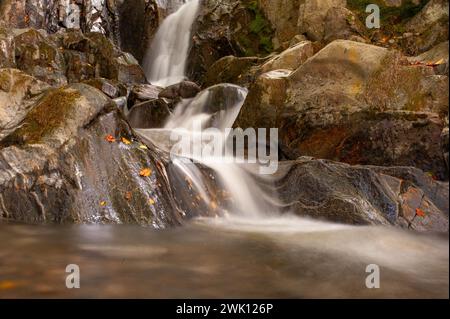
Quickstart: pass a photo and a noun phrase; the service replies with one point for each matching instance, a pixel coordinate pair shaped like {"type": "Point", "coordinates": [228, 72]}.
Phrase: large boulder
{"type": "Point", "coordinates": [74, 159]}
{"type": "Point", "coordinates": [360, 104]}
{"type": "Point", "coordinates": [401, 196]}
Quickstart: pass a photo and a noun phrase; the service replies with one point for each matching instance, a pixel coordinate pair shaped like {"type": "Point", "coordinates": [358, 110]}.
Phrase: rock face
{"type": "Point", "coordinates": [59, 168]}
{"type": "Point", "coordinates": [139, 20]}
{"type": "Point", "coordinates": [230, 27]}
{"type": "Point", "coordinates": [359, 104]}
{"type": "Point", "coordinates": [67, 56]}
{"type": "Point", "coordinates": [360, 195]}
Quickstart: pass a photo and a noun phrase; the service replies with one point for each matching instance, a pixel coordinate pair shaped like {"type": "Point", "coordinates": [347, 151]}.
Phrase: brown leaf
{"type": "Point", "coordinates": [128, 196]}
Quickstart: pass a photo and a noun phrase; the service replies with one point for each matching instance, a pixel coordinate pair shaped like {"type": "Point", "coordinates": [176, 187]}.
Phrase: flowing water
{"type": "Point", "coordinates": [250, 251]}
{"type": "Point", "coordinates": [165, 61]}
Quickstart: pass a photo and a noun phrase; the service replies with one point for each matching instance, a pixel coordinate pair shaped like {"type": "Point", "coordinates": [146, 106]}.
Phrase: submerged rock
{"type": "Point", "coordinates": [364, 195]}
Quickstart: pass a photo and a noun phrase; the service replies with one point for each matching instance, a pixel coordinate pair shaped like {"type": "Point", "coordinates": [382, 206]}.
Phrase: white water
{"type": "Point", "coordinates": [165, 61]}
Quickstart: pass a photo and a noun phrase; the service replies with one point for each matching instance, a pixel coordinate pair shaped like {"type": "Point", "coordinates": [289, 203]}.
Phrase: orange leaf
{"type": "Point", "coordinates": [110, 138]}
{"type": "Point", "coordinates": [128, 196]}
{"type": "Point", "coordinates": [420, 212]}
{"type": "Point", "coordinates": [7, 284]}
{"type": "Point", "coordinates": [145, 172]}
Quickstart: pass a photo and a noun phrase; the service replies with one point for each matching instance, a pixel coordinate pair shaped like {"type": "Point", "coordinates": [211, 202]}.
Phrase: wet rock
{"type": "Point", "coordinates": [139, 20]}
{"type": "Point", "coordinates": [18, 92]}
{"type": "Point", "coordinates": [184, 90]}
{"type": "Point", "coordinates": [149, 114]}
{"type": "Point", "coordinates": [230, 27]}
{"type": "Point", "coordinates": [401, 196]}
{"type": "Point", "coordinates": [143, 92]}
{"type": "Point", "coordinates": [59, 168]}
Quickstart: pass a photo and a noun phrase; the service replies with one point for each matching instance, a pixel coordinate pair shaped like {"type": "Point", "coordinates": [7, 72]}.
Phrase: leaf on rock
{"type": "Point", "coordinates": [109, 138]}
{"type": "Point", "coordinates": [143, 147]}
{"type": "Point", "coordinates": [125, 141]}
{"type": "Point", "coordinates": [145, 172]}
{"type": "Point", "coordinates": [420, 212]}
{"type": "Point", "coordinates": [103, 203]}
{"type": "Point", "coordinates": [128, 196]}
{"type": "Point", "coordinates": [151, 201]}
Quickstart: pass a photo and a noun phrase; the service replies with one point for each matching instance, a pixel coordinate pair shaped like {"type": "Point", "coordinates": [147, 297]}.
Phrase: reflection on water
{"type": "Point", "coordinates": [213, 258]}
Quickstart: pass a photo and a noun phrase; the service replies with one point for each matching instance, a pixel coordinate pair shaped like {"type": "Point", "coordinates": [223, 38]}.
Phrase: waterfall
{"type": "Point", "coordinates": [200, 120]}
{"type": "Point", "coordinates": [165, 61]}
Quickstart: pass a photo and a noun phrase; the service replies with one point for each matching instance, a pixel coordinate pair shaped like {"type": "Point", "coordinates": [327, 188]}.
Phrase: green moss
{"type": "Point", "coordinates": [260, 28]}
{"type": "Point", "coordinates": [43, 119]}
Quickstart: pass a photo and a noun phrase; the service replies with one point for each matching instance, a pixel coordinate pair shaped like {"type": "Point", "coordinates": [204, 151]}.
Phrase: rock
{"type": "Point", "coordinates": [265, 101]}
{"type": "Point", "coordinates": [437, 55]}
{"type": "Point", "coordinates": [444, 145]}
{"type": "Point", "coordinates": [362, 195]}
{"type": "Point", "coordinates": [59, 168]}
{"type": "Point", "coordinates": [312, 16]}
{"type": "Point", "coordinates": [143, 92]}
{"type": "Point", "coordinates": [38, 56]}
{"type": "Point", "coordinates": [235, 70]}
{"type": "Point", "coordinates": [148, 114]}
{"type": "Point", "coordinates": [111, 88]}
{"type": "Point", "coordinates": [184, 90]}
{"type": "Point", "coordinates": [230, 27]}
{"type": "Point", "coordinates": [356, 103]}
{"type": "Point", "coordinates": [18, 92]}
{"type": "Point", "coordinates": [290, 59]}
{"type": "Point", "coordinates": [7, 55]}
{"type": "Point", "coordinates": [341, 23]}
{"type": "Point", "coordinates": [431, 23]}
{"type": "Point", "coordinates": [139, 20]}
{"type": "Point", "coordinates": [283, 15]}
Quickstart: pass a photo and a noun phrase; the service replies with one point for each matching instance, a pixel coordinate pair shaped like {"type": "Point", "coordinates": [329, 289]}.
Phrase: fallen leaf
{"type": "Point", "coordinates": [420, 212]}
{"type": "Point", "coordinates": [125, 141]}
{"type": "Point", "coordinates": [143, 147]}
{"type": "Point", "coordinates": [7, 284]}
{"type": "Point", "coordinates": [103, 203]}
{"type": "Point", "coordinates": [128, 196]}
{"type": "Point", "coordinates": [145, 172]}
{"type": "Point", "coordinates": [110, 138]}
{"type": "Point", "coordinates": [151, 201]}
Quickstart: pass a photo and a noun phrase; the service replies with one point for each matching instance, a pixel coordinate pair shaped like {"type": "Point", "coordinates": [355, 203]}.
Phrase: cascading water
{"type": "Point", "coordinates": [165, 61]}
{"type": "Point", "coordinates": [195, 119]}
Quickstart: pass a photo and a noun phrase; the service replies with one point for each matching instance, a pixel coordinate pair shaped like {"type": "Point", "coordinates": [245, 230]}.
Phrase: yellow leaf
{"type": "Point", "coordinates": [145, 172]}
{"type": "Point", "coordinates": [151, 201]}
{"type": "Point", "coordinates": [103, 203]}
{"type": "Point", "coordinates": [125, 141]}
{"type": "Point", "coordinates": [143, 147]}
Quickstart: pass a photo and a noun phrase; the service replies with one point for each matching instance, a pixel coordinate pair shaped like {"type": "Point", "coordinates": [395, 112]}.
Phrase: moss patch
{"type": "Point", "coordinates": [260, 28]}
{"type": "Point", "coordinates": [42, 120]}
